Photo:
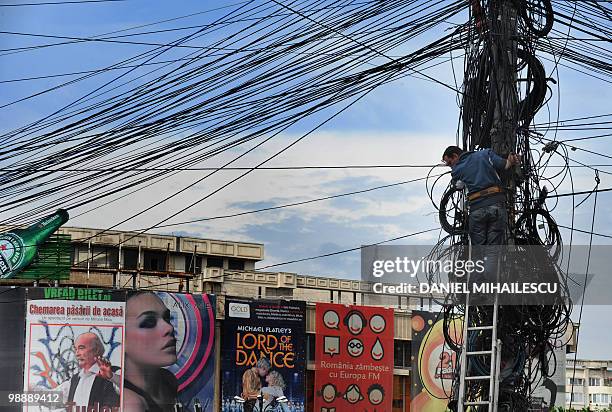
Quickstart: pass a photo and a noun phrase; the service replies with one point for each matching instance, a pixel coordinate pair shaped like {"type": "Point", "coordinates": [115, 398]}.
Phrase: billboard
{"type": "Point", "coordinates": [169, 351]}
{"type": "Point", "coordinates": [354, 358]}
{"type": "Point", "coordinates": [263, 356]}
{"type": "Point", "coordinates": [433, 362]}
{"type": "Point", "coordinates": [12, 320]}
{"type": "Point", "coordinates": [20, 247]}
{"type": "Point", "coordinates": [74, 348]}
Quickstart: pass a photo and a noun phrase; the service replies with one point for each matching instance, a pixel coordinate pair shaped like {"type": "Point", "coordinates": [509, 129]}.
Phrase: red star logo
{"type": "Point", "coordinates": [2, 247]}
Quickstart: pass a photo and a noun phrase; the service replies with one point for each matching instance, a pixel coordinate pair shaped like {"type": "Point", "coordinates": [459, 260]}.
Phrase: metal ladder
{"type": "Point", "coordinates": [494, 365]}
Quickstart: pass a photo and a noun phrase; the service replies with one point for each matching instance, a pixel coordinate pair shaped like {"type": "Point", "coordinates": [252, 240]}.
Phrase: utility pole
{"type": "Point", "coordinates": [504, 49]}
{"type": "Point", "coordinates": [504, 78]}
{"type": "Point", "coordinates": [498, 105]}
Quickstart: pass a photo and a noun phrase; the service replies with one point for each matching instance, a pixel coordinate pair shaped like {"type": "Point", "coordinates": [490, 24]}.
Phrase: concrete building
{"type": "Point", "coordinates": [592, 384]}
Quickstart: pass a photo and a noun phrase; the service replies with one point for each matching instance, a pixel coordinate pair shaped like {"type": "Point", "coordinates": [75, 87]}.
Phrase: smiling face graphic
{"type": "Point", "coordinates": [354, 347]}
{"type": "Point", "coordinates": [331, 345]}
{"type": "Point", "coordinates": [328, 392]}
{"type": "Point", "coordinates": [355, 322]}
{"type": "Point", "coordinates": [331, 319]}
{"type": "Point", "coordinates": [353, 394]}
{"type": "Point", "coordinates": [376, 394]}
{"type": "Point", "coordinates": [377, 350]}
{"type": "Point", "coordinates": [377, 324]}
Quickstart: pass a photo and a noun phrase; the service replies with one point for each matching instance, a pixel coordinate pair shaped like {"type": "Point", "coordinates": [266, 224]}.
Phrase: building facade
{"type": "Point", "coordinates": [589, 384]}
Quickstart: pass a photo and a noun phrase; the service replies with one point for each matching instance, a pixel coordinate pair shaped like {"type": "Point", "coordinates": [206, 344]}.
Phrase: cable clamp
{"type": "Point", "coordinates": [551, 147]}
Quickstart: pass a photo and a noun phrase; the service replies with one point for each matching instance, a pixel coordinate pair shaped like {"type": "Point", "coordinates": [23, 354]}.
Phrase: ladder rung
{"type": "Point", "coordinates": [480, 327]}
{"type": "Point", "coordinates": [476, 403]}
{"type": "Point", "coordinates": [479, 352]}
{"type": "Point", "coordinates": [477, 378]}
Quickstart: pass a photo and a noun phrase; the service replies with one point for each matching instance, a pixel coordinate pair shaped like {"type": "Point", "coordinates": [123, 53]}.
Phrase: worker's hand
{"type": "Point", "coordinates": [514, 159]}
{"type": "Point", "coordinates": [105, 368]}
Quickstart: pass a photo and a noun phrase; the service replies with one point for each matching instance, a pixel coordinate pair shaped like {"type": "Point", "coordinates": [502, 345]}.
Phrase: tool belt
{"type": "Point", "coordinates": [485, 192]}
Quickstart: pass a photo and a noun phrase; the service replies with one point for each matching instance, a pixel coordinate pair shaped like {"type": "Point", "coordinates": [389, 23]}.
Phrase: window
{"type": "Point", "coordinates": [235, 264]}
{"type": "Point", "coordinates": [155, 261]}
{"type": "Point", "coordinates": [74, 252]}
{"type": "Point", "coordinates": [214, 262]}
{"type": "Point", "coordinates": [594, 381]}
{"type": "Point", "coordinates": [402, 353]}
{"type": "Point", "coordinates": [576, 381]}
{"type": "Point", "coordinates": [575, 397]}
{"type": "Point", "coordinates": [401, 393]}
{"type": "Point", "coordinates": [279, 292]}
{"type": "Point", "coordinates": [310, 347]}
{"type": "Point", "coordinates": [599, 398]}
{"type": "Point", "coordinates": [81, 254]}
{"type": "Point", "coordinates": [130, 259]}
{"type": "Point", "coordinates": [189, 266]}
{"type": "Point", "coordinates": [104, 257]}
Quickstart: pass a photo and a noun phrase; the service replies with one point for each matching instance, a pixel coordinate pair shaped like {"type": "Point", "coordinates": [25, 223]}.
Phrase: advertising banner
{"type": "Point", "coordinates": [20, 247]}
{"type": "Point", "coordinates": [263, 357]}
{"type": "Point", "coordinates": [12, 321]}
{"type": "Point", "coordinates": [354, 358]}
{"type": "Point", "coordinates": [169, 352]}
{"type": "Point", "coordinates": [74, 349]}
{"type": "Point", "coordinates": [433, 362]}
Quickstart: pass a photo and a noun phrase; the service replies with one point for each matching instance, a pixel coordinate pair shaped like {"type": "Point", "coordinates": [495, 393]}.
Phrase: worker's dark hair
{"type": "Point", "coordinates": [452, 150]}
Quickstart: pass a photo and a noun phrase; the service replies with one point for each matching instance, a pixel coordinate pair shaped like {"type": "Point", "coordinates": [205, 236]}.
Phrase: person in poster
{"type": "Point", "coordinates": [95, 383]}
{"type": "Point", "coordinates": [150, 346]}
{"type": "Point", "coordinates": [263, 362]}
{"type": "Point", "coordinates": [169, 353]}
{"type": "Point", "coordinates": [74, 348]}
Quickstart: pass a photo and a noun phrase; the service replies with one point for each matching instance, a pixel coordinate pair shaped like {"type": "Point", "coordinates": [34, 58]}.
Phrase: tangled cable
{"type": "Point", "coordinates": [529, 333]}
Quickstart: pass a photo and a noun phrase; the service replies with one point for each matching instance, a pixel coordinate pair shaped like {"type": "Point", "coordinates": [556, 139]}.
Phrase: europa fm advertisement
{"type": "Point", "coordinates": [263, 356]}
{"type": "Point", "coordinates": [354, 358]}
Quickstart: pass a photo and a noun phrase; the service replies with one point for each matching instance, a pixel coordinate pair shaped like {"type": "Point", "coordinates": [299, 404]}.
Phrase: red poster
{"type": "Point", "coordinates": [354, 359]}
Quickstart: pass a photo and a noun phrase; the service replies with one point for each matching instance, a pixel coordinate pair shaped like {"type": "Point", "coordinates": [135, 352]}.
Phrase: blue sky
{"type": "Point", "coordinates": [409, 121]}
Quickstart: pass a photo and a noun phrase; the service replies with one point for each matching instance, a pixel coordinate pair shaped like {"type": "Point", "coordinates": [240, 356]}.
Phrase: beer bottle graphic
{"type": "Point", "coordinates": [18, 247]}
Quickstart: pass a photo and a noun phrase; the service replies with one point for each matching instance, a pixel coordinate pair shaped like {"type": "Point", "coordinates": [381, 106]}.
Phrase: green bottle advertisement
{"type": "Point", "coordinates": [18, 247]}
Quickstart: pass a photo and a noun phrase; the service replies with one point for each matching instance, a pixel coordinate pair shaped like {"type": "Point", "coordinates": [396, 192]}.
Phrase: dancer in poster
{"type": "Point", "coordinates": [251, 389]}
{"type": "Point", "coordinates": [263, 367]}
{"type": "Point", "coordinates": [274, 391]}
{"type": "Point", "coordinates": [150, 346]}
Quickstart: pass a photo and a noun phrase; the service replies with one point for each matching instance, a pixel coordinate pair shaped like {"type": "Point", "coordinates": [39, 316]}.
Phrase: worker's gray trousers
{"type": "Point", "coordinates": [487, 227]}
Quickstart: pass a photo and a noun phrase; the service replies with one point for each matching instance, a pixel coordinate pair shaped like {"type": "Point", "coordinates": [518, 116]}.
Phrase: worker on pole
{"type": "Point", "coordinates": [478, 171]}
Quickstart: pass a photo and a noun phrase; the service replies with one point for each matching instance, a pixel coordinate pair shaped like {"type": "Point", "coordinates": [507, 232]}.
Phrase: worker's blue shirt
{"type": "Point", "coordinates": [478, 171]}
